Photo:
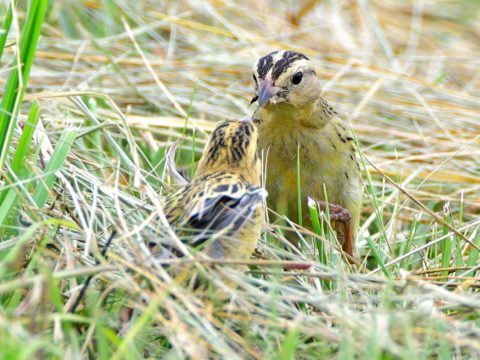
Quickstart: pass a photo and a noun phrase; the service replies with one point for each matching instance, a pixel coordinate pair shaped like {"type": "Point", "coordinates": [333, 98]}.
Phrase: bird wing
{"type": "Point", "coordinates": [215, 208]}
{"type": "Point", "coordinates": [223, 211]}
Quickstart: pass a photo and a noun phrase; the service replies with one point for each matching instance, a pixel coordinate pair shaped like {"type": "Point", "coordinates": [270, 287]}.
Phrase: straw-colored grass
{"type": "Point", "coordinates": [117, 82]}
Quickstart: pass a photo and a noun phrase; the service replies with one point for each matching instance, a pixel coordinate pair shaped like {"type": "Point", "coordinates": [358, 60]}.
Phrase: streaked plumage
{"type": "Point", "coordinates": [293, 117]}
{"type": "Point", "coordinates": [220, 211]}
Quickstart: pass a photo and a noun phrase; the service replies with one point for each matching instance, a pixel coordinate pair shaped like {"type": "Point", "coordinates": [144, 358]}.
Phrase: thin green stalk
{"type": "Point", "coordinates": [328, 230]}
{"type": "Point", "coordinates": [14, 90]}
{"type": "Point", "coordinates": [473, 255]}
{"type": "Point", "coordinates": [192, 163]}
{"type": "Point", "coordinates": [446, 248]}
{"type": "Point", "coordinates": [318, 229]}
{"type": "Point", "coordinates": [56, 162]}
{"type": "Point", "coordinates": [290, 344]}
{"type": "Point", "coordinates": [299, 188]}
{"type": "Point", "coordinates": [377, 257]}
{"type": "Point", "coordinates": [23, 144]}
{"type": "Point", "coordinates": [10, 197]}
{"type": "Point", "coordinates": [6, 29]}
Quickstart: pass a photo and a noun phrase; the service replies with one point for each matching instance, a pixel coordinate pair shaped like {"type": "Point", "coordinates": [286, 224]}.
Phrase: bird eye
{"type": "Point", "coordinates": [297, 78]}
{"type": "Point", "coordinates": [254, 78]}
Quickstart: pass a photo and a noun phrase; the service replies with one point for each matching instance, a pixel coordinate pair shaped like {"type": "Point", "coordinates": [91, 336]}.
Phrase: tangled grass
{"type": "Point", "coordinates": [113, 84]}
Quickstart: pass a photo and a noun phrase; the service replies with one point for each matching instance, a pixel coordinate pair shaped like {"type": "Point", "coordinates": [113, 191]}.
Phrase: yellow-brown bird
{"type": "Point", "coordinates": [220, 211]}
{"type": "Point", "coordinates": [293, 118]}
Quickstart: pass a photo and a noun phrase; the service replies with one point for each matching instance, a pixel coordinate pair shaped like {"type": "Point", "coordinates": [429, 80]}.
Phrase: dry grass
{"type": "Point", "coordinates": [132, 78]}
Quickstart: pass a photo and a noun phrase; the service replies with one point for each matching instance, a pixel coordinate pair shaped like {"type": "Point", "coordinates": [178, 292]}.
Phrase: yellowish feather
{"type": "Point", "coordinates": [295, 121]}
{"type": "Point", "coordinates": [219, 211]}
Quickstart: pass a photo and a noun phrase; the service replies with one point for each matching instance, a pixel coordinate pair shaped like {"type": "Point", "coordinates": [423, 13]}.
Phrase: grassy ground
{"type": "Point", "coordinates": [112, 85]}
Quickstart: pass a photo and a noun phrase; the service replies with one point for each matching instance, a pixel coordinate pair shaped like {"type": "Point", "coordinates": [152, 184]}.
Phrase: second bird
{"type": "Point", "coordinates": [220, 210]}
{"type": "Point", "coordinates": [297, 126]}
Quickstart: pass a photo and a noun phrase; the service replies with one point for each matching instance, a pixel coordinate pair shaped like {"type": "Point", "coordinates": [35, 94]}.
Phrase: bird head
{"type": "Point", "coordinates": [285, 77]}
{"type": "Point", "coordinates": [232, 147]}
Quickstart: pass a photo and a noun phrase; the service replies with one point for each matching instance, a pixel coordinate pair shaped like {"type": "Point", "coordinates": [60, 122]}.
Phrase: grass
{"type": "Point", "coordinates": [105, 87]}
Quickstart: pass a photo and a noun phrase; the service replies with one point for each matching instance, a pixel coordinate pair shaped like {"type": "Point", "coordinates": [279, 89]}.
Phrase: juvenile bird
{"type": "Point", "coordinates": [220, 211]}
{"type": "Point", "coordinates": [293, 118]}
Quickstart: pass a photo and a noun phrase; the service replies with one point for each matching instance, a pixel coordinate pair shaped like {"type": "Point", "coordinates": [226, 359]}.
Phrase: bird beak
{"type": "Point", "coordinates": [267, 90]}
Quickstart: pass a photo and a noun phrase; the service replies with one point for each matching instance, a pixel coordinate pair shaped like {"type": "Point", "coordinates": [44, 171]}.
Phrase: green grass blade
{"type": "Point", "coordinates": [56, 162]}
{"type": "Point", "coordinates": [289, 346]}
{"type": "Point", "coordinates": [6, 28]}
{"type": "Point", "coordinates": [377, 257]}
{"type": "Point", "coordinates": [9, 198]}
{"type": "Point", "coordinates": [14, 91]}
{"type": "Point", "coordinates": [24, 142]}
{"type": "Point", "coordinates": [299, 188]}
{"type": "Point", "coordinates": [473, 255]}
{"type": "Point", "coordinates": [14, 253]}
{"type": "Point", "coordinates": [317, 229]}
{"type": "Point", "coordinates": [446, 249]}
{"type": "Point", "coordinates": [7, 204]}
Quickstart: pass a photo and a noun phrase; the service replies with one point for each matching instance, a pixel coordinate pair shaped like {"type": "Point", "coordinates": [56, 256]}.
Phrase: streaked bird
{"type": "Point", "coordinates": [220, 211]}
{"type": "Point", "coordinates": [297, 125]}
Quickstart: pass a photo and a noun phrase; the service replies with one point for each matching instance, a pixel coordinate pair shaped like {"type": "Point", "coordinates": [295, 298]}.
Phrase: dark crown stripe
{"type": "Point", "coordinates": [266, 63]}
{"type": "Point", "coordinates": [284, 63]}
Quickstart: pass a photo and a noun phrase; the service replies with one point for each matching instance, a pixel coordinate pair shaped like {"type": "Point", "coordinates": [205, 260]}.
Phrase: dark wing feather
{"type": "Point", "coordinates": [211, 205]}
{"type": "Point", "coordinates": [224, 213]}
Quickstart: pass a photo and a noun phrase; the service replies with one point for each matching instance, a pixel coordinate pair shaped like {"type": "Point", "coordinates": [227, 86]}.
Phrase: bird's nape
{"type": "Point", "coordinates": [232, 148]}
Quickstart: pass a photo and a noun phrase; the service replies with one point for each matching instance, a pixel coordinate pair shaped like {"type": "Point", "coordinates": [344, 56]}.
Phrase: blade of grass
{"type": "Point", "coordinates": [8, 204]}
{"type": "Point", "coordinates": [436, 217]}
{"type": "Point", "coordinates": [473, 256]}
{"type": "Point", "coordinates": [14, 89]}
{"type": "Point", "coordinates": [55, 163]}
{"type": "Point", "coordinates": [13, 253]}
{"type": "Point", "coordinates": [290, 344]}
{"type": "Point", "coordinates": [6, 29]}
{"type": "Point", "coordinates": [10, 197]}
{"type": "Point", "coordinates": [377, 257]}
{"type": "Point", "coordinates": [46, 184]}
{"type": "Point", "coordinates": [299, 188]}
{"type": "Point", "coordinates": [23, 144]}
{"type": "Point", "coordinates": [317, 228]}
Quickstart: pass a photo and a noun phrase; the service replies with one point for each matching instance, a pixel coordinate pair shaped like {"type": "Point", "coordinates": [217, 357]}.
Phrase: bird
{"type": "Point", "coordinates": [220, 211]}
{"type": "Point", "coordinates": [299, 130]}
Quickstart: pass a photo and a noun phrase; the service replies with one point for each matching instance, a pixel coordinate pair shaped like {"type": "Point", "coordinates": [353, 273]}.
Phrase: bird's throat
{"type": "Point", "coordinates": [288, 116]}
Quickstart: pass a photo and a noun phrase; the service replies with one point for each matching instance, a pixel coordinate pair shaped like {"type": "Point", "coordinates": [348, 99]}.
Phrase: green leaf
{"type": "Point", "coordinates": [24, 142]}
{"type": "Point", "coordinates": [6, 28]}
{"type": "Point", "coordinates": [14, 91]}
{"type": "Point", "coordinates": [290, 344]}
{"type": "Point", "coordinates": [56, 162]}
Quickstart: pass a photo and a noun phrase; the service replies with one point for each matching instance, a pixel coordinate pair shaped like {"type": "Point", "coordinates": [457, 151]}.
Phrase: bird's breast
{"type": "Point", "coordinates": [312, 155]}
